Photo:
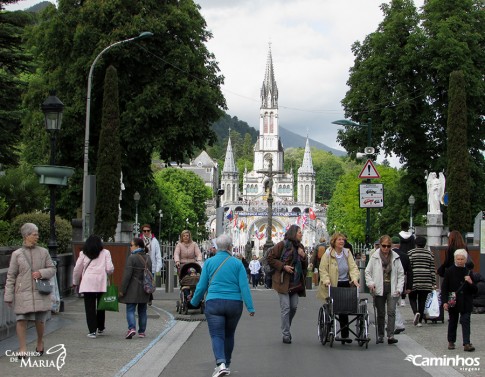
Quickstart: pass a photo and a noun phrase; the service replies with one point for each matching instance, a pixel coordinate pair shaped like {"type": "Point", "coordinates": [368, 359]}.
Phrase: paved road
{"type": "Point", "coordinates": [178, 345]}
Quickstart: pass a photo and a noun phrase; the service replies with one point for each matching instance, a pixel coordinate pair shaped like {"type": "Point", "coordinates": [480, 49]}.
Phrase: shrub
{"type": "Point", "coordinates": [42, 220]}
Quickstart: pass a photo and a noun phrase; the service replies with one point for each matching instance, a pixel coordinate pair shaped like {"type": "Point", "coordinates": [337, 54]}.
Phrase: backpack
{"type": "Point", "coordinates": [268, 270]}
{"type": "Point", "coordinates": [148, 280]}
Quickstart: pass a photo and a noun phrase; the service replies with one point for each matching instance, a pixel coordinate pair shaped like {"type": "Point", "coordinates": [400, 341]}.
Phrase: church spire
{"type": "Point", "coordinates": [269, 90]}
{"type": "Point", "coordinates": [229, 164]}
{"type": "Point", "coordinates": [307, 164]}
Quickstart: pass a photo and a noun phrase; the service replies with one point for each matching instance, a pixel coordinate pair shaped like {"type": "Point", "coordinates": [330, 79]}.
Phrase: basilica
{"type": "Point", "coordinates": [246, 212]}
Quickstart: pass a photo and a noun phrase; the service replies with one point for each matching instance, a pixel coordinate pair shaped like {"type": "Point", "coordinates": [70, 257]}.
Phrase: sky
{"type": "Point", "coordinates": [311, 47]}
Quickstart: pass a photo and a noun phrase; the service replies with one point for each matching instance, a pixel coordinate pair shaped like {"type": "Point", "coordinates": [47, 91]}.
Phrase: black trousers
{"type": "Point", "coordinates": [94, 318]}
{"type": "Point", "coordinates": [417, 299]}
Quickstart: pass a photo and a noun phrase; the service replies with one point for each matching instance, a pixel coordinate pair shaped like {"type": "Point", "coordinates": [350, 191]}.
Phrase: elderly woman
{"type": "Point", "coordinates": [384, 275]}
{"type": "Point", "coordinates": [27, 264]}
{"type": "Point", "coordinates": [457, 292]}
{"type": "Point", "coordinates": [186, 251]}
{"type": "Point", "coordinates": [338, 269]}
{"type": "Point", "coordinates": [225, 281]}
{"type": "Point", "coordinates": [290, 263]}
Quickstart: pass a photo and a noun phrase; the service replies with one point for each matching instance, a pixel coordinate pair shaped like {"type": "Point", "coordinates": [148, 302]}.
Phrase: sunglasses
{"type": "Point", "coordinates": [146, 230]}
{"type": "Point", "coordinates": [386, 246]}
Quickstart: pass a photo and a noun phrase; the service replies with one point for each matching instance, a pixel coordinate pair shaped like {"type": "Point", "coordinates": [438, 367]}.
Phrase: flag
{"type": "Point", "coordinates": [229, 215]}
{"type": "Point", "coordinates": [312, 214]}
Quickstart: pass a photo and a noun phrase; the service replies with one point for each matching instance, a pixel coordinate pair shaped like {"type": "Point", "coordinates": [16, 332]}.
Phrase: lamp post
{"type": "Point", "coordinates": [87, 225]}
{"type": "Point", "coordinates": [136, 226]}
{"type": "Point", "coordinates": [160, 213]}
{"type": "Point", "coordinates": [411, 201]}
{"type": "Point", "coordinates": [345, 122]}
{"type": "Point", "coordinates": [52, 108]}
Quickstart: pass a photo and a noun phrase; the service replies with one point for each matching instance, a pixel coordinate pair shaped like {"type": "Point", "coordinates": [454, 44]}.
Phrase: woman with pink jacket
{"type": "Point", "coordinates": [186, 251]}
{"type": "Point", "coordinates": [90, 274]}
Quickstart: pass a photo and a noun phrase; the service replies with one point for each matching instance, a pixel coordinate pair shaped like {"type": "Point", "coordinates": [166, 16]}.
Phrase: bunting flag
{"type": "Point", "coordinates": [312, 214]}
{"type": "Point", "coordinates": [229, 215]}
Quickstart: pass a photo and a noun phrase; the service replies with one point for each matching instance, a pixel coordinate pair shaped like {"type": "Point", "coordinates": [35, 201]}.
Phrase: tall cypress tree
{"type": "Point", "coordinates": [458, 180]}
{"type": "Point", "coordinates": [108, 171]}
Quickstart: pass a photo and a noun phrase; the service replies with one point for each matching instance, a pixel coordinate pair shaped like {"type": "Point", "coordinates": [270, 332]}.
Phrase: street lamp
{"type": "Point", "coordinates": [87, 225]}
{"type": "Point", "coordinates": [368, 150]}
{"type": "Point", "coordinates": [136, 226]}
{"type": "Point", "coordinates": [160, 224]}
{"type": "Point", "coordinates": [52, 108]}
{"type": "Point", "coordinates": [411, 201]}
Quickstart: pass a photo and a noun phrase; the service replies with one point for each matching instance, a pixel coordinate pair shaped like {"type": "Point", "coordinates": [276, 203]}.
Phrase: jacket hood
{"type": "Point", "coordinates": [405, 235]}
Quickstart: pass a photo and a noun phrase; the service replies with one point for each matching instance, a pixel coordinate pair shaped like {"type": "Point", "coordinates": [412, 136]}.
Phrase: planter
{"type": "Point", "coordinates": [53, 175]}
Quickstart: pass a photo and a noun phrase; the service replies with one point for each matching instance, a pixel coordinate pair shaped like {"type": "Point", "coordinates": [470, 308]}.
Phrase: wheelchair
{"type": "Point", "coordinates": [342, 300]}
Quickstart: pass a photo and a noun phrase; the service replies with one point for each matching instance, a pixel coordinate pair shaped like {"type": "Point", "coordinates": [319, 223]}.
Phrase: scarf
{"type": "Point", "coordinates": [140, 250]}
{"type": "Point", "coordinates": [147, 242]}
{"type": "Point", "coordinates": [386, 261]}
{"type": "Point", "coordinates": [290, 257]}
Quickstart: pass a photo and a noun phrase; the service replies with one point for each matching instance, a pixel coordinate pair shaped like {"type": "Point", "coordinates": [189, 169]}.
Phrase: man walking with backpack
{"type": "Point", "coordinates": [316, 258]}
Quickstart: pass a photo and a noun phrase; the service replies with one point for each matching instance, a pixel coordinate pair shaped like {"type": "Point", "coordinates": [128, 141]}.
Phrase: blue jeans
{"type": "Point", "coordinates": [142, 317]}
{"type": "Point", "coordinates": [222, 318]}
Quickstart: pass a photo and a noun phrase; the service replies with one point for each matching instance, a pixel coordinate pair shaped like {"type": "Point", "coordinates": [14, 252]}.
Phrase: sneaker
{"type": "Point", "coordinates": [451, 345]}
{"type": "Point", "coordinates": [416, 319]}
{"type": "Point", "coordinates": [286, 340]}
{"type": "Point", "coordinates": [141, 335]}
{"type": "Point", "coordinates": [220, 370]}
{"type": "Point", "coordinates": [419, 325]}
{"type": "Point", "coordinates": [130, 333]}
{"type": "Point", "coordinates": [380, 340]}
{"type": "Point", "coordinates": [392, 341]}
{"type": "Point", "coordinates": [100, 332]}
{"type": "Point", "coordinates": [398, 331]}
{"type": "Point", "coordinates": [468, 348]}
{"type": "Point", "coordinates": [403, 302]}
{"type": "Point", "coordinates": [92, 335]}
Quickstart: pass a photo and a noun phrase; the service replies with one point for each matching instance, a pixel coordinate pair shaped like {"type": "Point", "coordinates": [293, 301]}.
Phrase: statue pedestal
{"type": "Point", "coordinates": [434, 228]}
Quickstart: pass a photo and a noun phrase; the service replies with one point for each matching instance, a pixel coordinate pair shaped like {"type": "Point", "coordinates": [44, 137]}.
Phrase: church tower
{"type": "Point", "coordinates": [229, 176]}
{"type": "Point", "coordinates": [306, 178]}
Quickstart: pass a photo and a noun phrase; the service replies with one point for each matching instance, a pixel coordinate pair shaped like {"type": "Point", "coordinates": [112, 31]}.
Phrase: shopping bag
{"type": "Point", "coordinates": [432, 306]}
{"type": "Point", "coordinates": [109, 299]}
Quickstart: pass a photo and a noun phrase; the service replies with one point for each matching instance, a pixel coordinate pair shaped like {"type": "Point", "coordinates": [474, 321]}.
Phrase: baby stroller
{"type": "Point", "coordinates": [343, 301]}
{"type": "Point", "coordinates": [188, 284]}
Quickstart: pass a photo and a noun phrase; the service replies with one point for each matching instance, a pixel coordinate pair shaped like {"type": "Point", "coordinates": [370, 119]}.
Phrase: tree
{"type": "Point", "coordinates": [169, 84]}
{"type": "Point", "coordinates": [345, 215]}
{"type": "Point", "coordinates": [400, 80]}
{"type": "Point", "coordinates": [108, 171]}
{"type": "Point", "coordinates": [14, 63]}
{"type": "Point", "coordinates": [183, 196]}
{"type": "Point", "coordinates": [458, 180]}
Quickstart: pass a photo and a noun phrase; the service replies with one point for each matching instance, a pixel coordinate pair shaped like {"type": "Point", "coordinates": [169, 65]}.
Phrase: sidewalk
{"type": "Point", "coordinates": [107, 355]}
{"type": "Point", "coordinates": [113, 355]}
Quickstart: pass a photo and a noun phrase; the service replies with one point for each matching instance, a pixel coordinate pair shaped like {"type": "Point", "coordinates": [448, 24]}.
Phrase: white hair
{"type": "Point", "coordinates": [224, 242]}
{"type": "Point", "coordinates": [27, 229]}
{"type": "Point", "coordinates": [461, 252]}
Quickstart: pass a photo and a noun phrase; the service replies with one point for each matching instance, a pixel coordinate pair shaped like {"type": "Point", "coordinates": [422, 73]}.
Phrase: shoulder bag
{"type": "Point", "coordinates": [44, 287]}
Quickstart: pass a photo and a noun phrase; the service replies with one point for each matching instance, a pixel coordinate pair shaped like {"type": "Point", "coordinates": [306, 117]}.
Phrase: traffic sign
{"type": "Point", "coordinates": [369, 171]}
{"type": "Point", "coordinates": [371, 195]}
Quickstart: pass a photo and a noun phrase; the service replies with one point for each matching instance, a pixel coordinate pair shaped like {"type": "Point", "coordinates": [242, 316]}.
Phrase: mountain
{"type": "Point", "coordinates": [288, 138]}
{"type": "Point", "coordinates": [292, 140]}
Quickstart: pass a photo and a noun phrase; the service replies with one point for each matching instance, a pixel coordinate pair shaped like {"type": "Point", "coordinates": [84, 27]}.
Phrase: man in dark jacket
{"type": "Point", "coordinates": [406, 238]}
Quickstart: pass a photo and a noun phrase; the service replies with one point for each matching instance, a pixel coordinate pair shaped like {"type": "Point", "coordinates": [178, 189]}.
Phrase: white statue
{"type": "Point", "coordinates": [436, 191]}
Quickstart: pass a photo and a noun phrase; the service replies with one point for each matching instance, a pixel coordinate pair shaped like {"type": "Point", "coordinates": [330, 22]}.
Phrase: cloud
{"type": "Point", "coordinates": [311, 46]}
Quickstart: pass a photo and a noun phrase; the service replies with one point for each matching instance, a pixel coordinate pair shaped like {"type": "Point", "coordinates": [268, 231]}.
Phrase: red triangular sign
{"type": "Point", "coordinates": [369, 171]}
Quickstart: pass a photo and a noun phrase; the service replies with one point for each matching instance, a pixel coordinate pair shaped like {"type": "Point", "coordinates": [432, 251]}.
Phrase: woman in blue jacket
{"type": "Point", "coordinates": [225, 281]}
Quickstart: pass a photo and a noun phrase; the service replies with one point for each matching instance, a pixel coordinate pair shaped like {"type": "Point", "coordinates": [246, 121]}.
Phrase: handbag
{"type": "Point", "coordinates": [452, 295]}
{"type": "Point", "coordinates": [109, 299]}
{"type": "Point", "coordinates": [43, 286]}
{"type": "Point", "coordinates": [296, 288]}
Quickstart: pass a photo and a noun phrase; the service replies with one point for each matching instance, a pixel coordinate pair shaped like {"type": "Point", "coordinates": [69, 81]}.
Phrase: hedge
{"type": "Point", "coordinates": [42, 220]}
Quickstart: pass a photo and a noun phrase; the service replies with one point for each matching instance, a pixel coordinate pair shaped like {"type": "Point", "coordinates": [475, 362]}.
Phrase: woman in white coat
{"type": "Point", "coordinates": [384, 276]}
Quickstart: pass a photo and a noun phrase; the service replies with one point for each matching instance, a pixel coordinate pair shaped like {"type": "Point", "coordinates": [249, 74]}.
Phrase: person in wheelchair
{"type": "Point", "coordinates": [338, 269]}
{"type": "Point", "coordinates": [384, 275]}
